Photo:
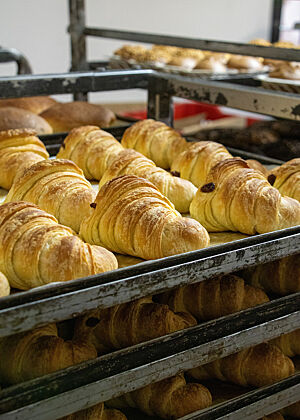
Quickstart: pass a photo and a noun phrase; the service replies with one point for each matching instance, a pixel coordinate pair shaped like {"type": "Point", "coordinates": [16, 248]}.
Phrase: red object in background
{"type": "Point", "coordinates": [187, 109]}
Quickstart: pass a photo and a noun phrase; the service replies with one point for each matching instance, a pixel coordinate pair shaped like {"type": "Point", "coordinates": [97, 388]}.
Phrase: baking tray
{"type": "Point", "coordinates": [282, 85]}
{"type": "Point", "coordinates": [128, 369]}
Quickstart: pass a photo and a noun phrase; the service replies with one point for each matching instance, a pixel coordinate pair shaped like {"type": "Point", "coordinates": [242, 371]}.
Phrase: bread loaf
{"type": "Point", "coordinates": [65, 116]}
{"type": "Point", "coordinates": [35, 104]}
{"type": "Point", "coordinates": [19, 118]}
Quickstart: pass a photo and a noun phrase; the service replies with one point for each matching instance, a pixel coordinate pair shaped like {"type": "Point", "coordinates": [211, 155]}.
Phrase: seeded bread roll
{"type": "Point", "coordinates": [65, 116]}
{"type": "Point", "coordinates": [14, 118]}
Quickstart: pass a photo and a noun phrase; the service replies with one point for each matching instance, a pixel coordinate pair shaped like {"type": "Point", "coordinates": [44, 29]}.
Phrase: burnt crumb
{"type": "Point", "coordinates": [206, 188]}
{"type": "Point", "coordinates": [93, 205]}
{"type": "Point", "coordinates": [92, 322]}
{"type": "Point", "coordinates": [63, 145]}
{"type": "Point", "coordinates": [175, 173]}
{"type": "Point", "coordinates": [272, 179]}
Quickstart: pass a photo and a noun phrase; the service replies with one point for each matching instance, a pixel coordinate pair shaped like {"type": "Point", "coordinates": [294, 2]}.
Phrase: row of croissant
{"type": "Point", "coordinates": [132, 214]}
{"type": "Point", "coordinates": [47, 349]}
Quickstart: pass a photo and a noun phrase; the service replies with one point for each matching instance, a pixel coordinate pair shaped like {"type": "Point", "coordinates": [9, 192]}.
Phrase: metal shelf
{"type": "Point", "coordinates": [123, 371]}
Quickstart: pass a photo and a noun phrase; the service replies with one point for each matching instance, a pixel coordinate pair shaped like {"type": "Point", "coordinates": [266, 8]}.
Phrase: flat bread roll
{"type": "Point", "coordinates": [35, 104]}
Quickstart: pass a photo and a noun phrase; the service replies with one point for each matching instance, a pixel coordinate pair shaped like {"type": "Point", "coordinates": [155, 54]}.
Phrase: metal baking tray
{"type": "Point", "coordinates": [123, 371]}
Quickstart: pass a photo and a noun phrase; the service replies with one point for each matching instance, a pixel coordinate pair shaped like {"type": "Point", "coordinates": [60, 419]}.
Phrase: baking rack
{"type": "Point", "coordinates": [84, 385]}
{"type": "Point", "coordinates": [8, 55]}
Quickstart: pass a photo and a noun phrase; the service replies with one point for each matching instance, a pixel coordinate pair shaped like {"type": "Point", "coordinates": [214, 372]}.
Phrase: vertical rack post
{"type": "Point", "coordinates": [160, 103]}
{"type": "Point", "coordinates": [78, 41]}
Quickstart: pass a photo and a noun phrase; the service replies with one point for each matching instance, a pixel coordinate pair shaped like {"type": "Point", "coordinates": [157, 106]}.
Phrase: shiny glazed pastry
{"type": "Point", "coordinates": [18, 118]}
{"type": "Point", "coordinates": [131, 216]}
{"type": "Point", "coordinates": [97, 412]}
{"type": "Point", "coordinates": [281, 277]}
{"type": "Point", "coordinates": [237, 198]}
{"type": "Point", "coordinates": [19, 149]}
{"type": "Point", "coordinates": [129, 162]}
{"type": "Point", "coordinates": [196, 161]}
{"type": "Point", "coordinates": [38, 352]}
{"type": "Point", "coordinates": [58, 187]}
{"type": "Point", "coordinates": [35, 104]}
{"type": "Point", "coordinates": [257, 166]}
{"type": "Point", "coordinates": [211, 299]}
{"type": "Point", "coordinates": [65, 116]}
{"type": "Point", "coordinates": [92, 149]}
{"type": "Point", "coordinates": [155, 140]}
{"type": "Point", "coordinates": [36, 250]}
{"type": "Point", "coordinates": [4, 286]}
{"type": "Point", "coordinates": [171, 398]}
{"type": "Point", "coordinates": [286, 178]}
{"type": "Point", "coordinates": [130, 323]}
{"type": "Point", "coordinates": [257, 366]}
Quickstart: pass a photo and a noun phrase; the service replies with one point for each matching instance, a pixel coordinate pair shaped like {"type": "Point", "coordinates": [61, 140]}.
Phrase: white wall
{"type": "Point", "coordinates": [38, 27]}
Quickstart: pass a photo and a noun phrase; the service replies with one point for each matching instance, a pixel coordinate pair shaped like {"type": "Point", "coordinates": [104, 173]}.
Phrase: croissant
{"type": "Point", "coordinates": [129, 162]}
{"type": "Point", "coordinates": [97, 412]}
{"type": "Point", "coordinates": [293, 410]}
{"type": "Point", "coordinates": [237, 198]}
{"type": "Point", "coordinates": [289, 343]}
{"type": "Point", "coordinates": [4, 286]}
{"type": "Point", "coordinates": [36, 250]}
{"type": "Point", "coordinates": [19, 149]}
{"type": "Point", "coordinates": [127, 260]}
{"type": "Point", "coordinates": [130, 323]}
{"type": "Point", "coordinates": [286, 178]}
{"type": "Point", "coordinates": [38, 352]}
{"type": "Point", "coordinates": [196, 161]}
{"type": "Point", "coordinates": [169, 399]}
{"type": "Point", "coordinates": [130, 216]}
{"type": "Point", "coordinates": [58, 187]}
{"type": "Point", "coordinates": [281, 277]}
{"type": "Point", "coordinates": [91, 149]}
{"type": "Point", "coordinates": [257, 366]}
{"type": "Point", "coordinates": [214, 298]}
{"type": "Point", "coordinates": [257, 166]}
{"type": "Point", "coordinates": [155, 140]}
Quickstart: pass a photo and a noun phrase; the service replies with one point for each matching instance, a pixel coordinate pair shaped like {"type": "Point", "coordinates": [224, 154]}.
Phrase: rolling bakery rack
{"type": "Point", "coordinates": [84, 385]}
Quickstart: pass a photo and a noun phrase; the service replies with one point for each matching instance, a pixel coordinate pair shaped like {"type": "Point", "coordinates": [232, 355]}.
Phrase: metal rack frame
{"type": "Point", "coordinates": [8, 55]}
{"type": "Point", "coordinates": [149, 362]}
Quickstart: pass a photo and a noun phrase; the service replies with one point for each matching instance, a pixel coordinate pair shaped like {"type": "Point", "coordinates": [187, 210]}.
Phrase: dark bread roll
{"type": "Point", "coordinates": [14, 118]}
{"type": "Point", "coordinates": [35, 104]}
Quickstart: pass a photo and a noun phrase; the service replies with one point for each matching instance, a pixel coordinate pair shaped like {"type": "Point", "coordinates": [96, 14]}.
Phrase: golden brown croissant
{"type": "Point", "coordinates": [130, 323]}
{"type": "Point", "coordinates": [97, 412]}
{"type": "Point", "coordinates": [286, 178]}
{"type": "Point", "coordinates": [36, 250]}
{"type": "Point", "coordinates": [257, 166]}
{"type": "Point", "coordinates": [289, 343]}
{"type": "Point", "coordinates": [129, 162]}
{"type": "Point", "coordinates": [155, 140]}
{"type": "Point", "coordinates": [293, 410]}
{"type": "Point", "coordinates": [214, 298]}
{"type": "Point", "coordinates": [257, 366]}
{"type": "Point", "coordinates": [58, 187]}
{"type": "Point", "coordinates": [237, 198]}
{"type": "Point", "coordinates": [4, 286]}
{"type": "Point", "coordinates": [91, 149]}
{"type": "Point", "coordinates": [19, 149]}
{"type": "Point", "coordinates": [127, 260]}
{"type": "Point", "coordinates": [281, 277]}
{"type": "Point", "coordinates": [130, 216]}
{"type": "Point", "coordinates": [38, 352]}
{"type": "Point", "coordinates": [169, 399]}
{"type": "Point", "coordinates": [197, 160]}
